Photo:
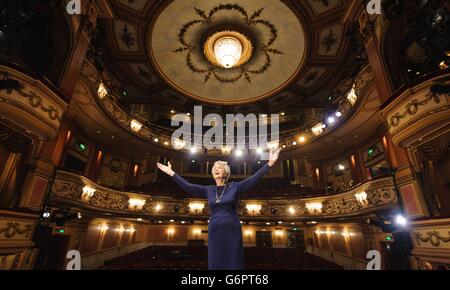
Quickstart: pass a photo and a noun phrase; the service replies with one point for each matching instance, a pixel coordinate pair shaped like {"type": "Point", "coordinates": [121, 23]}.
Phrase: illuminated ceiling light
{"type": "Point", "coordinates": [341, 167]}
{"type": "Point", "coordinates": [283, 114]}
{"type": "Point", "coordinates": [193, 161]}
{"type": "Point", "coordinates": [172, 111]}
{"type": "Point", "coordinates": [268, 223]}
{"type": "Point", "coordinates": [338, 114]}
{"type": "Point", "coordinates": [102, 92]}
{"type": "Point", "coordinates": [228, 51]}
{"type": "Point", "coordinates": [284, 146]}
{"type": "Point", "coordinates": [331, 120]}
{"type": "Point", "coordinates": [135, 125]}
{"type": "Point", "coordinates": [171, 221]}
{"type": "Point", "coordinates": [139, 219]}
{"type": "Point", "coordinates": [156, 140]}
{"type": "Point", "coordinates": [46, 215]}
{"type": "Point", "coordinates": [183, 222]}
{"type": "Point", "coordinates": [294, 143]}
{"type": "Point", "coordinates": [280, 222]}
{"type": "Point", "coordinates": [188, 114]}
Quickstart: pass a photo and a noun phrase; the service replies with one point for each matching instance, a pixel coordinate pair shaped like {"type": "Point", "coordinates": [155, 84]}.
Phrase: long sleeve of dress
{"type": "Point", "coordinates": [193, 189]}
{"type": "Point", "coordinates": [247, 184]}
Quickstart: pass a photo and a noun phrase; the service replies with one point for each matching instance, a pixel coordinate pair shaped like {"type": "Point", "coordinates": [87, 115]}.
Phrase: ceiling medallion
{"type": "Point", "coordinates": [232, 43]}
{"type": "Point", "coordinates": [228, 49]}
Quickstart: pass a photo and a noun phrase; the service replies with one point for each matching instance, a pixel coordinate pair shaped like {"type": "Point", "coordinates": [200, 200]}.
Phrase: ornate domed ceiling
{"type": "Point", "coordinates": [298, 53]}
{"type": "Point", "coordinates": [178, 40]}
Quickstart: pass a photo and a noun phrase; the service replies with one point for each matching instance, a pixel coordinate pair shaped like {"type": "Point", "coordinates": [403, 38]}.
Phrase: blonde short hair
{"type": "Point", "coordinates": [225, 166]}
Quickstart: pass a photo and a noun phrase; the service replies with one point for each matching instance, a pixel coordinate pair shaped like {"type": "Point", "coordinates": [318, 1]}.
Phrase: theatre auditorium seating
{"type": "Point", "coordinates": [195, 258]}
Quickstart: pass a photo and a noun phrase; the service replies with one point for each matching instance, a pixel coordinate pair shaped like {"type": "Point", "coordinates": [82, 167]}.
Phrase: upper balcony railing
{"type": "Point", "coordinates": [78, 191]}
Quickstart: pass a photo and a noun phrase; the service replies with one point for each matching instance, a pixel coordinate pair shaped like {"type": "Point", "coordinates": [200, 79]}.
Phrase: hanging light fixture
{"type": "Point", "coordinates": [228, 51]}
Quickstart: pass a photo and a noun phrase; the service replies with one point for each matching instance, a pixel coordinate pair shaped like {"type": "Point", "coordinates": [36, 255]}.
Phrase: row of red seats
{"type": "Point", "coordinates": [195, 258]}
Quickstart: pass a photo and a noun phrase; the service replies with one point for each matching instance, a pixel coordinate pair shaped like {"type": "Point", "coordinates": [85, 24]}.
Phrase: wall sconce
{"type": "Point", "coordinates": [314, 207]}
{"type": "Point", "coordinates": [170, 233]}
{"type": "Point", "coordinates": [158, 207]}
{"type": "Point", "coordinates": [197, 232]}
{"type": "Point", "coordinates": [279, 233]}
{"type": "Point", "coordinates": [253, 209]}
{"type": "Point", "coordinates": [248, 233]}
{"type": "Point", "coordinates": [352, 97]}
{"type": "Point", "coordinates": [120, 229]}
{"type": "Point", "coordinates": [196, 207]}
{"type": "Point", "coordinates": [291, 210]}
{"type": "Point", "coordinates": [178, 144]}
{"type": "Point", "coordinates": [136, 204]}
{"type": "Point", "coordinates": [103, 228]}
{"type": "Point", "coordinates": [317, 129]}
{"type": "Point", "coordinates": [88, 192]}
{"type": "Point", "coordinates": [135, 125]}
{"type": "Point", "coordinates": [226, 150]}
{"type": "Point", "coordinates": [102, 91]}
{"type": "Point", "coordinates": [362, 198]}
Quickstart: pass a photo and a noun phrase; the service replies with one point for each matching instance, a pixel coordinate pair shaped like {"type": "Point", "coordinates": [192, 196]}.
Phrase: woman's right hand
{"type": "Point", "coordinates": [166, 169]}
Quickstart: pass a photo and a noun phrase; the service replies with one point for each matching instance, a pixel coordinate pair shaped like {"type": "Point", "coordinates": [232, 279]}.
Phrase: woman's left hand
{"type": "Point", "coordinates": [273, 157]}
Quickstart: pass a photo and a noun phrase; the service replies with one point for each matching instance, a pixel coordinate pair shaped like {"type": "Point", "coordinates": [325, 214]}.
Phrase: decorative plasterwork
{"type": "Point", "coordinates": [178, 35]}
{"type": "Point", "coordinates": [34, 99]}
{"type": "Point", "coordinates": [418, 106]}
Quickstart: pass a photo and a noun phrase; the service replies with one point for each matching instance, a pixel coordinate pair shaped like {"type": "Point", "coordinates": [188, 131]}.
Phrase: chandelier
{"type": "Point", "coordinates": [228, 51]}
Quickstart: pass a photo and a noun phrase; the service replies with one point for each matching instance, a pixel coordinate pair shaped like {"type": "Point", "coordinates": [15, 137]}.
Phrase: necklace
{"type": "Point", "coordinates": [219, 197]}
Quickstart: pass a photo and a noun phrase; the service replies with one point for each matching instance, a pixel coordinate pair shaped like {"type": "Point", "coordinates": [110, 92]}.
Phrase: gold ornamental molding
{"type": "Point", "coordinates": [32, 106]}
{"type": "Point", "coordinates": [76, 190]}
{"type": "Point", "coordinates": [417, 110]}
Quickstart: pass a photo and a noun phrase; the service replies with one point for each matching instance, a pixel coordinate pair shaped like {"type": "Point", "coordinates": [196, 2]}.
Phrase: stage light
{"type": "Point", "coordinates": [172, 111]}
{"type": "Point", "coordinates": [331, 120]}
{"type": "Point", "coordinates": [338, 114]}
{"type": "Point", "coordinates": [156, 140]}
{"type": "Point", "coordinates": [183, 222]}
{"type": "Point", "coordinates": [171, 221]}
{"type": "Point", "coordinates": [401, 220]}
{"type": "Point", "coordinates": [238, 153]}
{"type": "Point", "coordinates": [259, 151]}
{"type": "Point", "coordinates": [193, 150]}
{"type": "Point", "coordinates": [46, 215]}
{"type": "Point", "coordinates": [294, 143]}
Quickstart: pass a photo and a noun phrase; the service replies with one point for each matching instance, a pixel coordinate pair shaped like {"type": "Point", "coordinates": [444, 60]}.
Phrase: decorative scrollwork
{"type": "Point", "coordinates": [433, 237]}
{"type": "Point", "coordinates": [13, 228]}
{"type": "Point", "coordinates": [412, 108]}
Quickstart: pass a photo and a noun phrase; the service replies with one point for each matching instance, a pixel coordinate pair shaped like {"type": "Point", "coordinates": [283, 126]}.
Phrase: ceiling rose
{"type": "Point", "coordinates": [226, 53]}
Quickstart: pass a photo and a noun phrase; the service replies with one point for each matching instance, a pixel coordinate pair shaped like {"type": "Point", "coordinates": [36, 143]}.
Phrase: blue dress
{"type": "Point", "coordinates": [225, 245]}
